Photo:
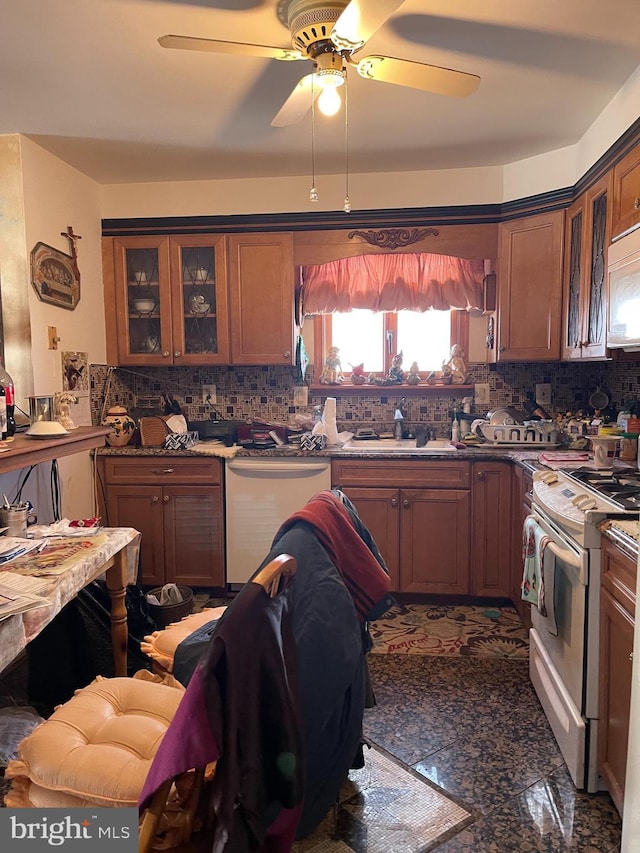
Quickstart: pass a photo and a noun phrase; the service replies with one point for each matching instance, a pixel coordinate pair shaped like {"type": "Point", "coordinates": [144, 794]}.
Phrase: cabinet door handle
{"type": "Point", "coordinates": [394, 503]}
{"type": "Point", "coordinates": [163, 470]}
{"type": "Point", "coordinates": [287, 353]}
{"type": "Point", "coordinates": [501, 349]}
{"type": "Point", "coordinates": [406, 503]}
{"type": "Point", "coordinates": [155, 500]}
{"type": "Point", "coordinates": [165, 354]}
{"type": "Point", "coordinates": [636, 204]}
{"type": "Point", "coordinates": [165, 499]}
{"type": "Point", "coordinates": [481, 475]}
{"type": "Point", "coordinates": [177, 354]}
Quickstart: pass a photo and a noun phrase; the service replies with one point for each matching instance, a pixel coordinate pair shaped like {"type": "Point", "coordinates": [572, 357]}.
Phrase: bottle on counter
{"type": "Point", "coordinates": [10, 398]}
{"type": "Point", "coordinates": [455, 430]}
{"type": "Point", "coordinates": [3, 412]}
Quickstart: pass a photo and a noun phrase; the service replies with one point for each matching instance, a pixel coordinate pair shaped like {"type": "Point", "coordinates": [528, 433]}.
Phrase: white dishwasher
{"type": "Point", "coordinates": [259, 495]}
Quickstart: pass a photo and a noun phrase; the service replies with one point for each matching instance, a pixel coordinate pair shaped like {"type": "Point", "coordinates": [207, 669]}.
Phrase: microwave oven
{"type": "Point", "coordinates": [623, 323]}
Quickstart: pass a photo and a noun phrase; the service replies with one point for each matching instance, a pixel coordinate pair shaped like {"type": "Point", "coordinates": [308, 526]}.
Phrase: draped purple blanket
{"type": "Point", "coordinates": [241, 709]}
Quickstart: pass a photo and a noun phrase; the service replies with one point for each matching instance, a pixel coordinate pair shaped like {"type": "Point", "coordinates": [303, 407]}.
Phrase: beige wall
{"type": "Point", "coordinates": [286, 195]}
{"type": "Point", "coordinates": [41, 196]}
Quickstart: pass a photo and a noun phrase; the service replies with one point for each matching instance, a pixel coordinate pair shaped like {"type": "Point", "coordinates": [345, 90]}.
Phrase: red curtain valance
{"type": "Point", "coordinates": [415, 282]}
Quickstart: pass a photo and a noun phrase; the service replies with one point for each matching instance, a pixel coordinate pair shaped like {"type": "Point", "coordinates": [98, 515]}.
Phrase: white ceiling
{"type": "Point", "coordinates": [87, 80]}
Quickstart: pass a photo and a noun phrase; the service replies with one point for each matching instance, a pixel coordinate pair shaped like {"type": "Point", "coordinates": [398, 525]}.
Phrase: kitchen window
{"type": "Point", "coordinates": [373, 338]}
{"type": "Point", "coordinates": [374, 306]}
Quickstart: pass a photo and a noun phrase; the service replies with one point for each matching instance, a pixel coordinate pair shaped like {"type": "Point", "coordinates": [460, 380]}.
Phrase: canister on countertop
{"type": "Point", "coordinates": [628, 447]}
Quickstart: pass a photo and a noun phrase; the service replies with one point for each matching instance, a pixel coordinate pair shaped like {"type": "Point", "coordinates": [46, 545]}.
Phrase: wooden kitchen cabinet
{"type": "Point", "coordinates": [626, 194]}
{"type": "Point", "coordinates": [587, 236]}
{"type": "Point", "coordinates": [261, 298]}
{"type": "Point", "coordinates": [419, 516]}
{"type": "Point", "coordinates": [617, 622]}
{"type": "Point", "coordinates": [521, 489]}
{"type": "Point", "coordinates": [170, 300]}
{"type": "Point", "coordinates": [491, 529]}
{"type": "Point", "coordinates": [177, 505]}
{"type": "Point", "coordinates": [529, 282]}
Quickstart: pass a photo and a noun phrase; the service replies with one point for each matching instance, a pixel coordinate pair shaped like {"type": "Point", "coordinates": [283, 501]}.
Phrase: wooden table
{"type": "Point", "coordinates": [116, 559]}
{"type": "Point", "coordinates": [25, 451]}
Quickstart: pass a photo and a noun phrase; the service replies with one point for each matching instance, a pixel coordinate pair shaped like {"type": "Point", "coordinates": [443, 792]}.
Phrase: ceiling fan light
{"type": "Point", "coordinates": [328, 78]}
{"type": "Point", "coordinates": [329, 101]}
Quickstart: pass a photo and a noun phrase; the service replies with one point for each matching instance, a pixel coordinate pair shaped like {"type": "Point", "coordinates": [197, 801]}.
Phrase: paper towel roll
{"type": "Point", "coordinates": [329, 421]}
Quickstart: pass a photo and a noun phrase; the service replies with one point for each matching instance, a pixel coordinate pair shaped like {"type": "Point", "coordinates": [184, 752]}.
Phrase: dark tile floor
{"type": "Point", "coordinates": [475, 728]}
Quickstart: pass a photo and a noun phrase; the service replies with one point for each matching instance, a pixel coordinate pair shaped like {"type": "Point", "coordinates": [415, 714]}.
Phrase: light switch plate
{"type": "Point", "coordinates": [543, 393]}
{"type": "Point", "coordinates": [300, 395]}
{"type": "Point", "coordinates": [481, 394]}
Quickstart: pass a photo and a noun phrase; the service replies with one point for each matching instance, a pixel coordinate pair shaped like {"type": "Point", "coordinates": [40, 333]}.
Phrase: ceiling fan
{"type": "Point", "coordinates": [330, 34]}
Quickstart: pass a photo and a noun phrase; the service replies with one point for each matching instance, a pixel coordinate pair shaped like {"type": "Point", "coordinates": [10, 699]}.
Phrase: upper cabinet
{"type": "Point", "coordinates": [626, 193]}
{"type": "Point", "coordinates": [530, 287]}
{"type": "Point", "coordinates": [200, 299]}
{"type": "Point", "coordinates": [170, 297]}
{"type": "Point", "coordinates": [587, 236]}
{"type": "Point", "coordinates": [261, 298]}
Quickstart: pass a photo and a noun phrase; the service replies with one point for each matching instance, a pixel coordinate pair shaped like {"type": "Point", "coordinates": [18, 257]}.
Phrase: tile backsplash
{"type": "Point", "coordinates": [245, 393]}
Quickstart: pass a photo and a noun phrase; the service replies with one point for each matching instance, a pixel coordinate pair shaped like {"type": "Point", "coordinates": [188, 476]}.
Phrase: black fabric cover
{"type": "Point", "coordinates": [330, 669]}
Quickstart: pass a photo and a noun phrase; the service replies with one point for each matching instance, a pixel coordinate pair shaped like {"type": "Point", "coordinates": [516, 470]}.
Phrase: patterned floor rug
{"type": "Point", "coordinates": [386, 807]}
{"type": "Point", "coordinates": [423, 629]}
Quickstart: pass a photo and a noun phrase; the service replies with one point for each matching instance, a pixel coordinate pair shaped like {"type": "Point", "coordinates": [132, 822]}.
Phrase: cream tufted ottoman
{"type": "Point", "coordinates": [97, 748]}
{"type": "Point", "coordinates": [161, 645]}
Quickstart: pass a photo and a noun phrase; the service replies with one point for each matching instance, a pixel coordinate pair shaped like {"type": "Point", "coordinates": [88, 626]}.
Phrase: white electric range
{"type": "Point", "coordinates": [569, 507]}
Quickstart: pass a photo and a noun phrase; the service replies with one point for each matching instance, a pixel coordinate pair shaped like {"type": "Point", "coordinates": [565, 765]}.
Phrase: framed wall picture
{"type": "Point", "coordinates": [55, 276]}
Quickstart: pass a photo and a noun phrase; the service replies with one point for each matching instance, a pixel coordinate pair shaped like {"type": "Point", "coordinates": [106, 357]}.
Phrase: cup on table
{"type": "Point", "coordinates": [16, 520]}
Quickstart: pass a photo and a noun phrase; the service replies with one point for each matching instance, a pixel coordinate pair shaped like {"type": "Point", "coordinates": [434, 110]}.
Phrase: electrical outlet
{"type": "Point", "coordinates": [209, 396]}
{"type": "Point", "coordinates": [300, 395]}
{"type": "Point", "coordinates": [543, 393]}
{"type": "Point", "coordinates": [481, 393]}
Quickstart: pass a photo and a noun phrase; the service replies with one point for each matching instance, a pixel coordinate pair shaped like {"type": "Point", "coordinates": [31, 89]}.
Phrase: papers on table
{"type": "Point", "coordinates": [12, 547]}
{"type": "Point", "coordinates": [63, 529]}
{"type": "Point", "coordinates": [18, 594]}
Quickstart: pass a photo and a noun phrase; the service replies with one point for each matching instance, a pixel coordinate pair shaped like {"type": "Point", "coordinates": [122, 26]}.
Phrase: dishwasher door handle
{"type": "Point", "coordinates": [264, 467]}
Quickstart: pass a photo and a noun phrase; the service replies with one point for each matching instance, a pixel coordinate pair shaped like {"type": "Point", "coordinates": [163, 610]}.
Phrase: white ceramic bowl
{"type": "Point", "coordinates": [46, 429]}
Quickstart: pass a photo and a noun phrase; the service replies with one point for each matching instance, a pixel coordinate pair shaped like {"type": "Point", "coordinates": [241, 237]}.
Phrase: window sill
{"type": "Point", "coordinates": [346, 389]}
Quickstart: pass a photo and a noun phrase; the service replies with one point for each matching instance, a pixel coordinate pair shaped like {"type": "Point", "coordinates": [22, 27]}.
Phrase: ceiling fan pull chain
{"type": "Point", "coordinates": [313, 192]}
{"type": "Point", "coordinates": [347, 200]}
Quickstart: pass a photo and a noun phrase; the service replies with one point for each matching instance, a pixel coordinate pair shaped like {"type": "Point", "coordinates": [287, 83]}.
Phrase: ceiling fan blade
{"type": "Point", "coordinates": [359, 21]}
{"type": "Point", "coordinates": [237, 47]}
{"type": "Point", "coordinates": [417, 75]}
{"type": "Point", "coordinates": [298, 103]}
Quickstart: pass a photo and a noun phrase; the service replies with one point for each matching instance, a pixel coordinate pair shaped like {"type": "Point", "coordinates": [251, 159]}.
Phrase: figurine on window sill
{"type": "Point", "coordinates": [357, 374]}
{"type": "Point", "coordinates": [332, 372]}
{"type": "Point", "coordinates": [395, 376]}
{"type": "Point", "coordinates": [414, 376]}
{"type": "Point", "coordinates": [456, 366]}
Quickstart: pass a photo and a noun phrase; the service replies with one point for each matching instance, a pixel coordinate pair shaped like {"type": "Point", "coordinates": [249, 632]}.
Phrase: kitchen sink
{"type": "Point", "coordinates": [396, 445]}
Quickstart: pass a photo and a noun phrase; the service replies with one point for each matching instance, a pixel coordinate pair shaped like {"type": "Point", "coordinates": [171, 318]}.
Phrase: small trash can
{"type": "Point", "coordinates": [165, 614]}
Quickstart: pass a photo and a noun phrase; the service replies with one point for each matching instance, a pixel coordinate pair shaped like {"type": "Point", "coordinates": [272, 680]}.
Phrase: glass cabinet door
{"type": "Point", "coordinates": [144, 318]}
{"type": "Point", "coordinates": [199, 299]}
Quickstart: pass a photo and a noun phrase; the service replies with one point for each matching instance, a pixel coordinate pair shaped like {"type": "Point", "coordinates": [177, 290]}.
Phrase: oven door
{"type": "Point", "coordinates": [557, 661]}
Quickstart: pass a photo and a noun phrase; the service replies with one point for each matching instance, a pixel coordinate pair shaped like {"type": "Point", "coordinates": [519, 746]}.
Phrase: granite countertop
{"type": "Point", "coordinates": [527, 458]}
